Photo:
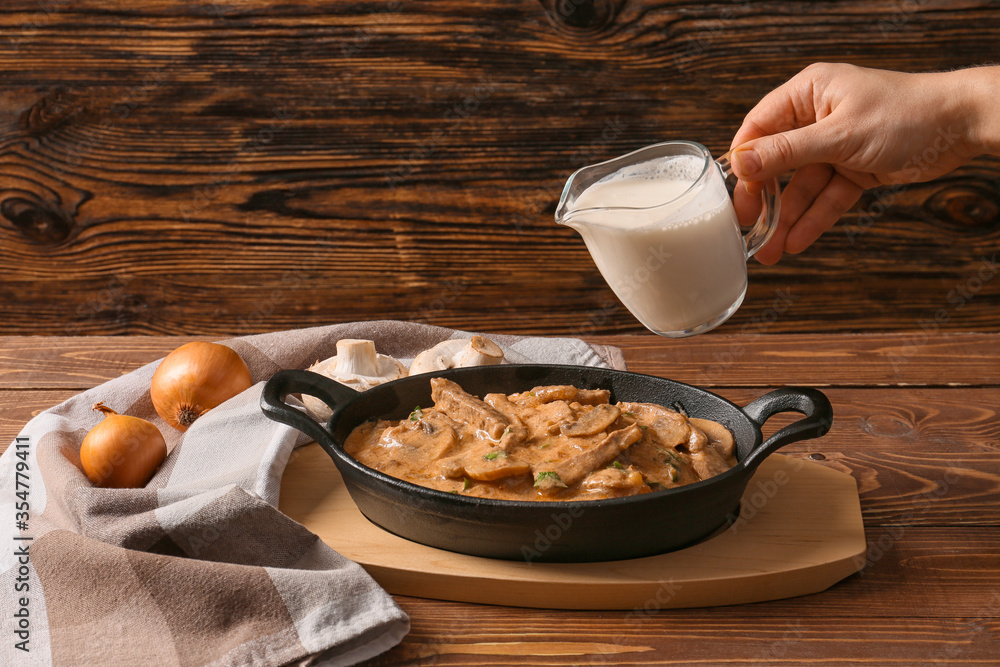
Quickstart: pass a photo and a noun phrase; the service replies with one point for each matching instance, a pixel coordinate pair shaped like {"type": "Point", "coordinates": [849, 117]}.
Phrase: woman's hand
{"type": "Point", "coordinates": [845, 129]}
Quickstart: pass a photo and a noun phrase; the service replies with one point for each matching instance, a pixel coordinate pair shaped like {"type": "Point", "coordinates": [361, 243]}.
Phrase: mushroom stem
{"type": "Point", "coordinates": [479, 352]}
{"type": "Point", "coordinates": [356, 357]}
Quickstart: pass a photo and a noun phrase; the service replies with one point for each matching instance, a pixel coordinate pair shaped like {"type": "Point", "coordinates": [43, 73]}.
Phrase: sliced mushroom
{"type": "Point", "coordinates": [719, 436]}
{"type": "Point", "coordinates": [488, 470]}
{"type": "Point", "coordinates": [457, 353]}
{"type": "Point", "coordinates": [483, 463]}
{"type": "Point", "coordinates": [356, 365]}
{"type": "Point", "coordinates": [429, 438]}
{"type": "Point", "coordinates": [615, 482]}
{"type": "Point", "coordinates": [592, 421]}
{"type": "Point", "coordinates": [670, 428]}
{"type": "Point", "coordinates": [705, 459]}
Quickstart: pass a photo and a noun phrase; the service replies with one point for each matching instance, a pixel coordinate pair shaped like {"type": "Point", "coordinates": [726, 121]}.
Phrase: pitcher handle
{"type": "Point", "coordinates": [770, 200]}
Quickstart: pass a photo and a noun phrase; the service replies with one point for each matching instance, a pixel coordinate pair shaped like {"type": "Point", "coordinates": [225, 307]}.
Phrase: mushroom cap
{"type": "Point", "coordinates": [457, 353]}
{"type": "Point", "coordinates": [386, 368]}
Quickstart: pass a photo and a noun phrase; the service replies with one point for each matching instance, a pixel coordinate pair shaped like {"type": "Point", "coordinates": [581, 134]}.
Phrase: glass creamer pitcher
{"type": "Point", "coordinates": [661, 227]}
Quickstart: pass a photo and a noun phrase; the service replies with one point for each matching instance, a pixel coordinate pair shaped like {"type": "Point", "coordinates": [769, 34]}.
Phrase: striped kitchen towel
{"type": "Point", "coordinates": [199, 567]}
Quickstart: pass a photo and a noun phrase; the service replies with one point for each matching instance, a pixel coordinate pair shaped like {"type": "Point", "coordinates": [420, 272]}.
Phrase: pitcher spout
{"type": "Point", "coordinates": [566, 208]}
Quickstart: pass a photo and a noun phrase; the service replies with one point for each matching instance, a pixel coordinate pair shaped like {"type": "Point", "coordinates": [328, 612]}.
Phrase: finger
{"type": "Point", "coordinates": [767, 157]}
{"type": "Point", "coordinates": [771, 252]}
{"type": "Point", "coordinates": [796, 198]}
{"type": "Point", "coordinates": [805, 185]}
{"type": "Point", "coordinates": [838, 197]}
{"type": "Point", "coordinates": [747, 205]}
{"type": "Point", "coordinates": [787, 107]}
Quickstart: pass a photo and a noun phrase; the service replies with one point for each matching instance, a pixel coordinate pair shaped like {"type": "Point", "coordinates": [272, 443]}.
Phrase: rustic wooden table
{"type": "Point", "coordinates": [916, 425]}
{"type": "Point", "coordinates": [238, 166]}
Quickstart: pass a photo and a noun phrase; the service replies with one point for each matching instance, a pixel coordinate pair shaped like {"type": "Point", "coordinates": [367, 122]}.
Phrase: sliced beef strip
{"type": "Point", "coordinates": [463, 407]}
{"type": "Point", "coordinates": [561, 392]}
{"type": "Point", "coordinates": [516, 432]}
{"type": "Point", "coordinates": [549, 417]}
{"type": "Point", "coordinates": [592, 396]}
{"type": "Point", "coordinates": [663, 465]}
{"type": "Point", "coordinates": [574, 469]}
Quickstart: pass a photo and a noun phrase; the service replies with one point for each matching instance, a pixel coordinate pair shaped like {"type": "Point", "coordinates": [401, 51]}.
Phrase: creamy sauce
{"type": "Point", "coordinates": [549, 443]}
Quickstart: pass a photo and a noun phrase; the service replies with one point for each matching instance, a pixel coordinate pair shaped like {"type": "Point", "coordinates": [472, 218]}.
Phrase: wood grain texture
{"type": "Point", "coordinates": [236, 166]}
{"type": "Point", "coordinates": [930, 591]}
{"type": "Point", "coordinates": [763, 358]}
{"type": "Point", "coordinates": [737, 636]}
{"type": "Point", "coordinates": [944, 359]}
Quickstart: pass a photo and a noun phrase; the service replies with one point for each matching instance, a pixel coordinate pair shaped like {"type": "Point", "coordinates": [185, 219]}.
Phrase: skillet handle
{"type": "Point", "coordinates": [810, 402]}
{"type": "Point", "coordinates": [285, 382]}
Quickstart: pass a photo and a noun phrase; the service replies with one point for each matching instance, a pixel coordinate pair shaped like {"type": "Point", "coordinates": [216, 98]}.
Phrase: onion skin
{"type": "Point", "coordinates": [195, 378]}
{"type": "Point", "coordinates": [122, 452]}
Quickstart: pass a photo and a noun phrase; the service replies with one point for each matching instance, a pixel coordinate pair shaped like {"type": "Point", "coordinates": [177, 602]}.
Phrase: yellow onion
{"type": "Point", "coordinates": [122, 452]}
{"type": "Point", "coordinates": [195, 378]}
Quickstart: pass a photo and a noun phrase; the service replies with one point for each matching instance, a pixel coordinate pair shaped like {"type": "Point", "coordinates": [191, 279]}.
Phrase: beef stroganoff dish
{"type": "Point", "coordinates": [552, 443]}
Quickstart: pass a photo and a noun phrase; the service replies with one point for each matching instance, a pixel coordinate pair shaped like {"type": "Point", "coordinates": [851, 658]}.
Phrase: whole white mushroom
{"type": "Point", "coordinates": [457, 353]}
{"type": "Point", "coordinates": [356, 365]}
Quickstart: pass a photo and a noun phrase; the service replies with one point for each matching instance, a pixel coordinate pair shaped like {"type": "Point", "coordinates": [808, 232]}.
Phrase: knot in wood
{"type": "Point", "coordinates": [893, 426]}
{"type": "Point", "coordinates": [966, 206]}
{"type": "Point", "coordinates": [54, 109]}
{"type": "Point", "coordinates": [582, 17]}
{"type": "Point", "coordinates": [36, 221]}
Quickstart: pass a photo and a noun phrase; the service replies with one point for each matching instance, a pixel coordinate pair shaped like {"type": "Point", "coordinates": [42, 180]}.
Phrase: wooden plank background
{"type": "Point", "coordinates": [223, 167]}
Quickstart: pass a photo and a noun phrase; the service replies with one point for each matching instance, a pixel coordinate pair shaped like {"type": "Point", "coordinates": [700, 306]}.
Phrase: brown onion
{"type": "Point", "coordinates": [122, 452]}
{"type": "Point", "coordinates": [195, 378]}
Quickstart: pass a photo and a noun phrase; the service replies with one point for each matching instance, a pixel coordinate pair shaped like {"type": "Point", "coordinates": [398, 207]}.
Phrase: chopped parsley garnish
{"type": "Point", "coordinates": [628, 414]}
{"type": "Point", "coordinates": [549, 479]}
{"type": "Point", "coordinates": [494, 455]}
{"type": "Point", "coordinates": [466, 483]}
{"type": "Point", "coordinates": [617, 464]}
{"type": "Point", "coordinates": [544, 445]}
{"type": "Point", "coordinates": [643, 426]}
{"type": "Point", "coordinates": [416, 414]}
{"type": "Point", "coordinates": [671, 453]}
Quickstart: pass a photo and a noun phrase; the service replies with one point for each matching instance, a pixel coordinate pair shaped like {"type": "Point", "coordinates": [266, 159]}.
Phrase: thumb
{"type": "Point", "coordinates": [774, 155]}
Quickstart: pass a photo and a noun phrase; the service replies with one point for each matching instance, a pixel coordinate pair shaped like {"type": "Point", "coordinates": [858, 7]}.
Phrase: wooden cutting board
{"type": "Point", "coordinates": [799, 532]}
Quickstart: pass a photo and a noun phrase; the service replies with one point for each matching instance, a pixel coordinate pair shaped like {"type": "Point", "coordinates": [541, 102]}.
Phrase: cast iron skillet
{"type": "Point", "coordinates": [597, 530]}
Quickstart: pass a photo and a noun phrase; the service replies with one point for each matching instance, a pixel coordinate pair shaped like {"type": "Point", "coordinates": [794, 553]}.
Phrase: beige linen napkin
{"type": "Point", "coordinates": [199, 567]}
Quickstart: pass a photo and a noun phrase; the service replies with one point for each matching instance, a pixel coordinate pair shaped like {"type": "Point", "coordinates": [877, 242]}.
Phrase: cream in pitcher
{"type": "Point", "coordinates": [664, 234]}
